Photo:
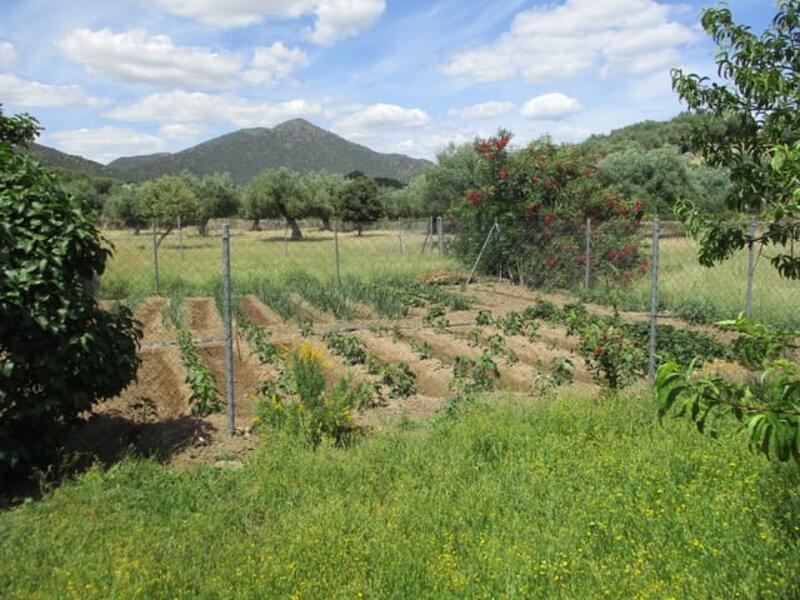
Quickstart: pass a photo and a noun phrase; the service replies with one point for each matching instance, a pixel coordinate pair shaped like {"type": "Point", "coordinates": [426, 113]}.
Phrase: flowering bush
{"type": "Point", "coordinates": [541, 196]}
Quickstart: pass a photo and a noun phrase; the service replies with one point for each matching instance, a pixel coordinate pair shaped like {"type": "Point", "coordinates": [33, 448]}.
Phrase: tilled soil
{"type": "Point", "coordinates": [202, 318]}
{"type": "Point", "coordinates": [247, 374]}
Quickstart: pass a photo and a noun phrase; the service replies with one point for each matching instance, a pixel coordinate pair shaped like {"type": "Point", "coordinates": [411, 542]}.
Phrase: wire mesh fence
{"type": "Point", "coordinates": [407, 275]}
{"type": "Point", "coordinates": [599, 262]}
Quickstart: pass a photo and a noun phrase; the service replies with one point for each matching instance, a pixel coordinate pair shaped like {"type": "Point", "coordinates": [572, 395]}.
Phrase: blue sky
{"type": "Point", "coordinates": [108, 79]}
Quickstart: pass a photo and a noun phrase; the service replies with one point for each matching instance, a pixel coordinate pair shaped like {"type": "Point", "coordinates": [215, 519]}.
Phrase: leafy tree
{"type": "Point", "coordinates": [278, 193]}
{"type": "Point", "coordinates": [755, 109]}
{"type": "Point", "coordinates": [759, 105]}
{"type": "Point", "coordinates": [539, 197]}
{"type": "Point", "coordinates": [94, 190]}
{"type": "Point", "coordinates": [163, 200]}
{"type": "Point", "coordinates": [59, 352]}
{"type": "Point", "coordinates": [447, 182]}
{"type": "Point", "coordinates": [323, 190]}
{"type": "Point", "coordinates": [408, 201]}
{"type": "Point", "coordinates": [219, 198]}
{"type": "Point", "coordinates": [662, 177]}
{"type": "Point", "coordinates": [124, 209]}
{"type": "Point", "coordinates": [359, 203]}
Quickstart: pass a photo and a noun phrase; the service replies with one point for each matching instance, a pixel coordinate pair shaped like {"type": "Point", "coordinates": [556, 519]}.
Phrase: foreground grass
{"type": "Point", "coordinates": [572, 500]}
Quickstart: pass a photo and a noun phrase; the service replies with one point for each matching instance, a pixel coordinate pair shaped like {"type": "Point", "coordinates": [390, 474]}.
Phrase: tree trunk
{"type": "Point", "coordinates": [359, 228]}
{"type": "Point", "coordinates": [163, 235]}
{"type": "Point", "coordinates": [297, 235]}
{"type": "Point", "coordinates": [326, 223]}
{"type": "Point", "coordinates": [202, 227]}
{"type": "Point", "coordinates": [256, 225]}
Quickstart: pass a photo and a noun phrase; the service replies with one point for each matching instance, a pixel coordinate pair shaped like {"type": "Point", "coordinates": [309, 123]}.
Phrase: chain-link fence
{"type": "Point", "coordinates": [291, 280]}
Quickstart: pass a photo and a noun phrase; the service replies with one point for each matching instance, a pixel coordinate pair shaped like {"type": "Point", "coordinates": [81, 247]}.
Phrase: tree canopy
{"type": "Point", "coordinates": [278, 193]}
{"type": "Point", "coordinates": [756, 117]}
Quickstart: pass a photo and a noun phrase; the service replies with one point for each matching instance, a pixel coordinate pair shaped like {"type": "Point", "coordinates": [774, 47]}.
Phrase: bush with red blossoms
{"type": "Point", "coordinates": [541, 196]}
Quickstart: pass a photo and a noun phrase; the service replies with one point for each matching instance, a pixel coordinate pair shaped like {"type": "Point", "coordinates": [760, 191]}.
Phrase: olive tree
{"type": "Point", "coordinates": [59, 351]}
{"type": "Point", "coordinates": [278, 193]}
{"type": "Point", "coordinates": [359, 202]}
{"type": "Point", "coordinates": [218, 198]}
{"type": "Point", "coordinates": [164, 200]}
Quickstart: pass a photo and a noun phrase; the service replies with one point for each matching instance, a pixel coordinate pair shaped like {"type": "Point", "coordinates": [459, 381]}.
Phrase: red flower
{"type": "Point", "coordinates": [645, 266]}
{"type": "Point", "coordinates": [535, 181]}
{"type": "Point", "coordinates": [502, 141]}
{"type": "Point", "coordinates": [474, 197]}
{"type": "Point", "coordinates": [638, 207]}
{"type": "Point", "coordinates": [534, 208]}
{"type": "Point", "coordinates": [551, 262]}
{"type": "Point", "coordinates": [503, 174]}
{"type": "Point", "coordinates": [548, 217]}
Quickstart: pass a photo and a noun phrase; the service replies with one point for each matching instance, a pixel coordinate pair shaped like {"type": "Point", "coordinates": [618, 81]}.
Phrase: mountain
{"type": "Point", "coordinates": [296, 144]}
{"type": "Point", "coordinates": [50, 157]}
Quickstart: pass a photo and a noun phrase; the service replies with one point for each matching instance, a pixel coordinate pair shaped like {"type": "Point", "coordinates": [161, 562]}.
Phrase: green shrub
{"type": "Point", "coordinates": [400, 378]}
{"type": "Point", "coordinates": [299, 404]}
{"type": "Point", "coordinates": [59, 352]}
{"type": "Point", "coordinates": [348, 347]}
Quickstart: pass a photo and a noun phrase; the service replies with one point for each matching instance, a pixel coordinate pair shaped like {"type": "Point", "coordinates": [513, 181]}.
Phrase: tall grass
{"type": "Point", "coordinates": [573, 500]}
{"type": "Point", "coordinates": [255, 255]}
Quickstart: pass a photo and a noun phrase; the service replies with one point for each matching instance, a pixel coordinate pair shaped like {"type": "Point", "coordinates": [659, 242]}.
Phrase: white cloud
{"type": "Point", "coordinates": [199, 108]}
{"type": "Point", "coordinates": [338, 19]}
{"type": "Point", "coordinates": [484, 110]}
{"type": "Point", "coordinates": [104, 144]}
{"type": "Point", "coordinates": [273, 63]}
{"type": "Point", "coordinates": [335, 19]}
{"type": "Point", "coordinates": [622, 37]}
{"type": "Point", "coordinates": [179, 131]}
{"type": "Point", "coordinates": [8, 55]}
{"type": "Point", "coordinates": [22, 92]}
{"type": "Point", "coordinates": [550, 107]}
{"type": "Point", "coordinates": [428, 145]}
{"type": "Point", "coordinates": [136, 56]}
{"type": "Point", "coordinates": [364, 120]}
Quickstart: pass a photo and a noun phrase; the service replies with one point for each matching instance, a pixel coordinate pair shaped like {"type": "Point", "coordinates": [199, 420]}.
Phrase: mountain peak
{"type": "Point", "coordinates": [296, 144]}
{"type": "Point", "coordinates": [296, 124]}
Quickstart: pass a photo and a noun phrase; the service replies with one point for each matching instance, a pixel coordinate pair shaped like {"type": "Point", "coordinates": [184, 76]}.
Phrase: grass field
{"type": "Point", "coordinates": [196, 264]}
{"type": "Point", "coordinates": [574, 499]}
{"type": "Point", "coordinates": [686, 286]}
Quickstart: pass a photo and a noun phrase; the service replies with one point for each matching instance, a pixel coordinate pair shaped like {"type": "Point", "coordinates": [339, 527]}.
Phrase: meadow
{"type": "Point", "coordinates": [515, 498]}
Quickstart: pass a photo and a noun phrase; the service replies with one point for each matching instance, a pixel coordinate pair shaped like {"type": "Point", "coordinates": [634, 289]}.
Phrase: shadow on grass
{"type": "Point", "coordinates": [105, 439]}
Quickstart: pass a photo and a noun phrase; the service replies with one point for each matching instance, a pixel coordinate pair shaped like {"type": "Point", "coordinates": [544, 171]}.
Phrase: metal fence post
{"type": "Point", "coordinates": [492, 229]}
{"type": "Point", "coordinates": [285, 237]}
{"type": "Point", "coordinates": [400, 237]}
{"type": "Point", "coordinates": [588, 258]}
{"type": "Point", "coordinates": [652, 346]}
{"type": "Point", "coordinates": [751, 269]}
{"type": "Point", "coordinates": [430, 231]}
{"type": "Point", "coordinates": [440, 234]}
{"type": "Point", "coordinates": [228, 318]}
{"type": "Point", "coordinates": [155, 257]}
{"type": "Point", "coordinates": [336, 246]}
{"type": "Point", "coordinates": [180, 236]}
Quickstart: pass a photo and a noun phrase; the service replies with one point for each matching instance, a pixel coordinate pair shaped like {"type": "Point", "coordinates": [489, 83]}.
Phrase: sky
{"type": "Point", "coordinates": [127, 77]}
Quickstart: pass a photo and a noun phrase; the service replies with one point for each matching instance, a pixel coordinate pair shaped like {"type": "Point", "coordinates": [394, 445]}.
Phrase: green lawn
{"type": "Point", "coordinates": [575, 499]}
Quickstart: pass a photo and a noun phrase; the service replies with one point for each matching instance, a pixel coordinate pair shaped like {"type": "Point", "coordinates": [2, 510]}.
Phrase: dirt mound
{"type": "Point", "coordinates": [201, 317]}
